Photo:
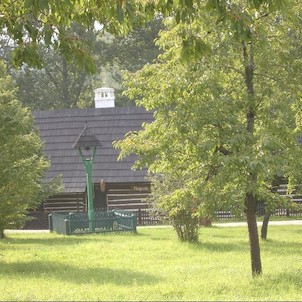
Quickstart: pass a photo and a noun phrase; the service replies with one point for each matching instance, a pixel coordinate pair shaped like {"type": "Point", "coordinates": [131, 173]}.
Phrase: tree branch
{"type": "Point", "coordinates": [235, 69]}
{"type": "Point", "coordinates": [268, 77]}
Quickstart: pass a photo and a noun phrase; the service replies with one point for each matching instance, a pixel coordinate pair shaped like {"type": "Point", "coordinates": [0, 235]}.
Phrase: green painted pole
{"type": "Point", "coordinates": [88, 165]}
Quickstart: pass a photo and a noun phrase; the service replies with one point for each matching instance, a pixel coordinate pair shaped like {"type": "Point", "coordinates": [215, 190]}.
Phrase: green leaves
{"type": "Point", "coordinates": [48, 34]}
{"type": "Point", "coordinates": [29, 53]}
{"type": "Point", "coordinates": [37, 5]}
{"type": "Point", "coordinates": [194, 49]}
{"type": "Point", "coordinates": [41, 21]}
{"type": "Point", "coordinates": [22, 162]}
{"type": "Point", "coordinates": [199, 142]}
{"type": "Point", "coordinates": [257, 3]}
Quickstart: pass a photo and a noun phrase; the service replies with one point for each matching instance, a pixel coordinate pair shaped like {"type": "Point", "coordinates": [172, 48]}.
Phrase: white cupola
{"type": "Point", "coordinates": [104, 97]}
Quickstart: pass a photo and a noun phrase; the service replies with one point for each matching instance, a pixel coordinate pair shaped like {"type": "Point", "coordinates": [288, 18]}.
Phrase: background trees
{"type": "Point", "coordinates": [62, 84]}
{"type": "Point", "coordinates": [116, 54]}
{"type": "Point", "coordinates": [58, 83]}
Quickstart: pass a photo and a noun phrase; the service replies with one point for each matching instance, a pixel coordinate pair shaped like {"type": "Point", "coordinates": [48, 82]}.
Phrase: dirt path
{"type": "Point", "coordinates": [234, 224]}
{"type": "Point", "coordinates": [223, 225]}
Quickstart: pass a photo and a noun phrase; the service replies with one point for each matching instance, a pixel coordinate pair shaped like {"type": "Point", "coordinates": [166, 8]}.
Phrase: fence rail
{"type": "Point", "coordinates": [280, 211]}
{"type": "Point", "coordinates": [144, 217]}
{"type": "Point", "coordinates": [147, 217]}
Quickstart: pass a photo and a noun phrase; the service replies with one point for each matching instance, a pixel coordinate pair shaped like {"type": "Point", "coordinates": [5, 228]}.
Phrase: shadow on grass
{"type": "Point", "coordinates": [160, 238]}
{"type": "Point", "coordinates": [286, 278]}
{"type": "Point", "coordinates": [279, 246]}
{"type": "Point", "coordinates": [285, 282]}
{"type": "Point", "coordinates": [298, 231]}
{"type": "Point", "coordinates": [51, 241]}
{"type": "Point", "coordinates": [62, 240]}
{"type": "Point", "coordinates": [77, 275]}
{"type": "Point", "coordinates": [217, 247]}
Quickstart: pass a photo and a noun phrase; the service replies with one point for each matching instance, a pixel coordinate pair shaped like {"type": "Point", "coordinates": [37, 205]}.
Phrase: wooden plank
{"type": "Point", "coordinates": [128, 206]}
{"type": "Point", "coordinates": [121, 195]}
{"type": "Point", "coordinates": [128, 196]}
{"type": "Point", "coordinates": [65, 202]}
{"type": "Point", "coordinates": [67, 208]}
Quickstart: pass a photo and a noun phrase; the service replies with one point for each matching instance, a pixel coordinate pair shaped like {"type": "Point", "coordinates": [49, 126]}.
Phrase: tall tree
{"type": "Point", "coordinates": [226, 118]}
{"type": "Point", "coordinates": [22, 161]}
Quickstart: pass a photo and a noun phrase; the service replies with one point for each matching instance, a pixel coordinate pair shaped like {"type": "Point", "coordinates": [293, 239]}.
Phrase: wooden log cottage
{"type": "Point", "coordinates": [116, 185]}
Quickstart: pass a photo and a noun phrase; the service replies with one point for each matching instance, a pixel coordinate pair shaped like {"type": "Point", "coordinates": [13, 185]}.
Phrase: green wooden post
{"type": "Point", "coordinates": [88, 163]}
{"type": "Point", "coordinates": [66, 230]}
{"type": "Point", "coordinates": [88, 166]}
{"type": "Point", "coordinates": [50, 223]}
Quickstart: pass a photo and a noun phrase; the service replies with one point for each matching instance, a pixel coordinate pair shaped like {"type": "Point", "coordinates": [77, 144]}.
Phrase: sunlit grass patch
{"type": "Point", "coordinates": [152, 265]}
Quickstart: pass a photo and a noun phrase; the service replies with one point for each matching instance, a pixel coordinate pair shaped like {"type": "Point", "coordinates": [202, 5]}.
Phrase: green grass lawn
{"type": "Point", "coordinates": [152, 265]}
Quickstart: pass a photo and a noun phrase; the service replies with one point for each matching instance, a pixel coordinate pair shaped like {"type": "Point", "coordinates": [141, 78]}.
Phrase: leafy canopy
{"type": "Point", "coordinates": [22, 162]}
{"type": "Point", "coordinates": [200, 131]}
{"type": "Point", "coordinates": [31, 22]}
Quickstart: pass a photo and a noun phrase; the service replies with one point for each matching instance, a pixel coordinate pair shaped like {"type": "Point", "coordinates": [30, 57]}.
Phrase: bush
{"type": "Point", "coordinates": [186, 225]}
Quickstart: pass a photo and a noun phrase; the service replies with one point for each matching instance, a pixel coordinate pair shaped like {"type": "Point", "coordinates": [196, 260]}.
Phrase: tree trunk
{"type": "Point", "coordinates": [265, 225]}
{"type": "Point", "coordinates": [253, 234]}
{"type": "Point", "coordinates": [65, 84]}
{"type": "Point", "coordinates": [2, 233]}
{"type": "Point", "coordinates": [250, 199]}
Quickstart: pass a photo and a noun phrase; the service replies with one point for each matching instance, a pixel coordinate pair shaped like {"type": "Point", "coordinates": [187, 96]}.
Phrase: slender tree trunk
{"type": "Point", "coordinates": [265, 225]}
{"type": "Point", "coordinates": [250, 198]}
{"type": "Point", "coordinates": [2, 233]}
{"type": "Point", "coordinates": [65, 84]}
{"type": "Point", "coordinates": [253, 234]}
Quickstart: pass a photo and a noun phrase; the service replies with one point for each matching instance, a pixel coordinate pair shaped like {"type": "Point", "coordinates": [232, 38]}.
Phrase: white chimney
{"type": "Point", "coordinates": [104, 97]}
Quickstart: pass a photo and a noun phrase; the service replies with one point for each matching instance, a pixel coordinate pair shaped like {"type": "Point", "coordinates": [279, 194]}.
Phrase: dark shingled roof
{"type": "Point", "coordinates": [60, 129]}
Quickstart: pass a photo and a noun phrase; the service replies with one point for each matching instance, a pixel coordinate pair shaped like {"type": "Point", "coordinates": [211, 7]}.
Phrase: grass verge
{"type": "Point", "coordinates": [151, 265]}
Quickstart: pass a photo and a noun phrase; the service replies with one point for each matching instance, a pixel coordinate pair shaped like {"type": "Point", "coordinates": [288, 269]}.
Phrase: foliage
{"type": "Point", "coordinates": [131, 52]}
{"type": "Point", "coordinates": [165, 198]}
{"type": "Point", "coordinates": [22, 162]}
{"type": "Point", "coordinates": [62, 84]}
{"type": "Point", "coordinates": [226, 118]}
{"type": "Point", "coordinates": [59, 83]}
{"type": "Point", "coordinates": [30, 22]}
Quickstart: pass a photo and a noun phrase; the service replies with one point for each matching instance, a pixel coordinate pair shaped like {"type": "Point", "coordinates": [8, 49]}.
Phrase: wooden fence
{"type": "Point", "coordinates": [280, 211]}
{"type": "Point", "coordinates": [144, 217]}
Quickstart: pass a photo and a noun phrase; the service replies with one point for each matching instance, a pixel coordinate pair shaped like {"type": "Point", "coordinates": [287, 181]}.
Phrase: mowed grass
{"type": "Point", "coordinates": [151, 265]}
